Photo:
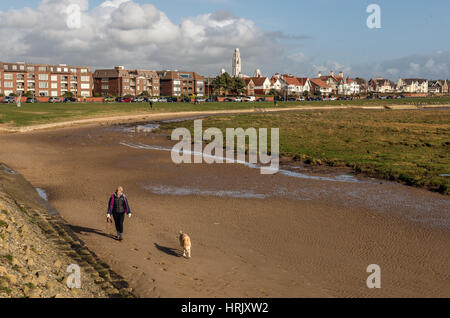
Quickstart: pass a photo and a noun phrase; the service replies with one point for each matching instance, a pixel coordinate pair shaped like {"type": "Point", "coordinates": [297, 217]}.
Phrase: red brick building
{"type": "Point", "coordinates": [121, 82]}
{"type": "Point", "coordinates": [43, 80]}
{"type": "Point", "coordinates": [175, 83]}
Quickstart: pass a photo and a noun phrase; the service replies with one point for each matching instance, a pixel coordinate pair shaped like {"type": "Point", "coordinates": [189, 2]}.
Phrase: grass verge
{"type": "Point", "coordinates": [411, 147]}
{"type": "Point", "coordinates": [41, 113]}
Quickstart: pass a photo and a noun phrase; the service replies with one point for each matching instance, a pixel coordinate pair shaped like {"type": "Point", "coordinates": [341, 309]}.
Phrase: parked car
{"type": "Point", "coordinates": [172, 100]}
{"type": "Point", "coordinates": [126, 100]}
{"type": "Point", "coordinates": [211, 100]}
{"type": "Point", "coordinates": [261, 99]}
{"type": "Point", "coordinates": [279, 99]}
{"type": "Point", "coordinates": [200, 100]}
{"type": "Point", "coordinates": [32, 100]}
{"type": "Point", "coordinates": [332, 98]}
{"type": "Point", "coordinates": [228, 99]}
{"type": "Point", "coordinates": [152, 99]}
{"type": "Point", "coordinates": [238, 99]}
{"type": "Point", "coordinates": [292, 99]}
{"type": "Point", "coordinates": [108, 99]}
{"type": "Point", "coordinates": [185, 100]}
{"type": "Point", "coordinates": [138, 99]}
{"type": "Point", "coordinates": [249, 99]}
{"type": "Point", "coordinates": [54, 100]}
{"type": "Point", "coordinates": [69, 100]}
{"type": "Point", "coordinates": [162, 100]}
{"type": "Point", "coordinates": [8, 100]}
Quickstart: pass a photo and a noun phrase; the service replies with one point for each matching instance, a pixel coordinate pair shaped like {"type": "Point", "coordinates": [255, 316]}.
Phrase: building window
{"type": "Point", "coordinates": [105, 80]}
{"type": "Point", "coordinates": [8, 85]}
{"type": "Point", "coordinates": [43, 85]}
{"type": "Point", "coordinates": [85, 78]}
{"type": "Point", "coordinates": [42, 68]}
{"type": "Point", "coordinates": [54, 78]}
{"type": "Point", "coordinates": [85, 86]}
{"type": "Point", "coordinates": [8, 77]}
{"type": "Point", "coordinates": [54, 85]}
{"type": "Point", "coordinates": [43, 77]}
{"type": "Point", "coordinates": [30, 68]}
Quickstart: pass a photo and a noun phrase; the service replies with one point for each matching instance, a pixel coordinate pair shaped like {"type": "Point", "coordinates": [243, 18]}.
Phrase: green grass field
{"type": "Point", "coordinates": [411, 147]}
{"type": "Point", "coordinates": [39, 113]}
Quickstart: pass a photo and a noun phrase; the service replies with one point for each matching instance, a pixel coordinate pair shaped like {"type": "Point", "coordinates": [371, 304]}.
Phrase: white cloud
{"type": "Point", "coordinates": [122, 32]}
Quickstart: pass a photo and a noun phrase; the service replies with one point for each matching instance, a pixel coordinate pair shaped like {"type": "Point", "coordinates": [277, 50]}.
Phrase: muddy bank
{"type": "Point", "coordinates": [37, 246]}
{"type": "Point", "coordinates": [253, 235]}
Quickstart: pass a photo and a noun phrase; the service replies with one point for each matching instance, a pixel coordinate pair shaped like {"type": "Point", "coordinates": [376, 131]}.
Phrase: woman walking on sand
{"type": "Point", "coordinates": [118, 207]}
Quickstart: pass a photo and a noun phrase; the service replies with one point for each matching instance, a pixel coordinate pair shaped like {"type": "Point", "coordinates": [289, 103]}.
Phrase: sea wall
{"type": "Point", "coordinates": [37, 248]}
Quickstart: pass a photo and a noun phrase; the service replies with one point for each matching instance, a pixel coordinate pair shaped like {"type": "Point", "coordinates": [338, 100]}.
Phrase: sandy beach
{"type": "Point", "coordinates": [286, 235]}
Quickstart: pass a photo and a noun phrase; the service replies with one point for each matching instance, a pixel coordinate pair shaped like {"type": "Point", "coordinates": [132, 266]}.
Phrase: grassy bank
{"type": "Point", "coordinates": [411, 147]}
{"type": "Point", "coordinates": [41, 113]}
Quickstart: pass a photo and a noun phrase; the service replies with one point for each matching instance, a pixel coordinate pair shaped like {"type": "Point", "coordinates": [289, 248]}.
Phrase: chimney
{"type": "Point", "coordinates": [319, 74]}
{"type": "Point", "coordinates": [331, 73]}
{"type": "Point", "coordinates": [341, 74]}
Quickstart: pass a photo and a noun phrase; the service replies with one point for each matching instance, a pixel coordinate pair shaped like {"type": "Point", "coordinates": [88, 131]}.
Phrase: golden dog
{"type": "Point", "coordinates": [185, 242]}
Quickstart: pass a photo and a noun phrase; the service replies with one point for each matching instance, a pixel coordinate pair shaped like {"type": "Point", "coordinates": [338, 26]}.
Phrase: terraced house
{"type": "Point", "coordinates": [45, 80]}
{"type": "Point", "coordinates": [121, 82]}
{"type": "Point", "coordinates": [412, 85]}
{"type": "Point", "coordinates": [175, 83]}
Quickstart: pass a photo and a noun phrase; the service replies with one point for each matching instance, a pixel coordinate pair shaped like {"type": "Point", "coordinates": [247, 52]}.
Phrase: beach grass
{"type": "Point", "coordinates": [42, 113]}
{"type": "Point", "coordinates": [408, 146]}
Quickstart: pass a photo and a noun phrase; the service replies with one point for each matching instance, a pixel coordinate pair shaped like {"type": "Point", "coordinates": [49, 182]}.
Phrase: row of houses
{"type": "Point", "coordinates": [43, 80]}
{"type": "Point", "coordinates": [333, 84]}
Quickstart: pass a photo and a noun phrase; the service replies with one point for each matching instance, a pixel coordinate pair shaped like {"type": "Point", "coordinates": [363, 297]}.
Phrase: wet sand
{"type": "Point", "coordinates": [284, 235]}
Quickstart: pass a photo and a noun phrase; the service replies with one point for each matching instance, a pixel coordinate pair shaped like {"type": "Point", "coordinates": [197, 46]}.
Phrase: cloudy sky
{"type": "Point", "coordinates": [293, 36]}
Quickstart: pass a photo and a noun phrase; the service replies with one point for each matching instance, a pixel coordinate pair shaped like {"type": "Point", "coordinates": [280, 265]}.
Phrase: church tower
{"type": "Point", "coordinates": [237, 65]}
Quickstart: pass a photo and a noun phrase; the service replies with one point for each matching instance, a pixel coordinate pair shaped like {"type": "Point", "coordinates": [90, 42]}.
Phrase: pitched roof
{"type": "Point", "coordinates": [409, 81]}
{"type": "Point", "coordinates": [302, 80]}
{"type": "Point", "coordinates": [259, 81]}
{"type": "Point", "coordinates": [319, 82]}
{"type": "Point", "coordinates": [292, 81]}
{"type": "Point", "coordinates": [248, 80]}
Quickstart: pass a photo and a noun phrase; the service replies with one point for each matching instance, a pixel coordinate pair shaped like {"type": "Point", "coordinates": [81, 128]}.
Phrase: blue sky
{"type": "Point", "coordinates": [329, 32]}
